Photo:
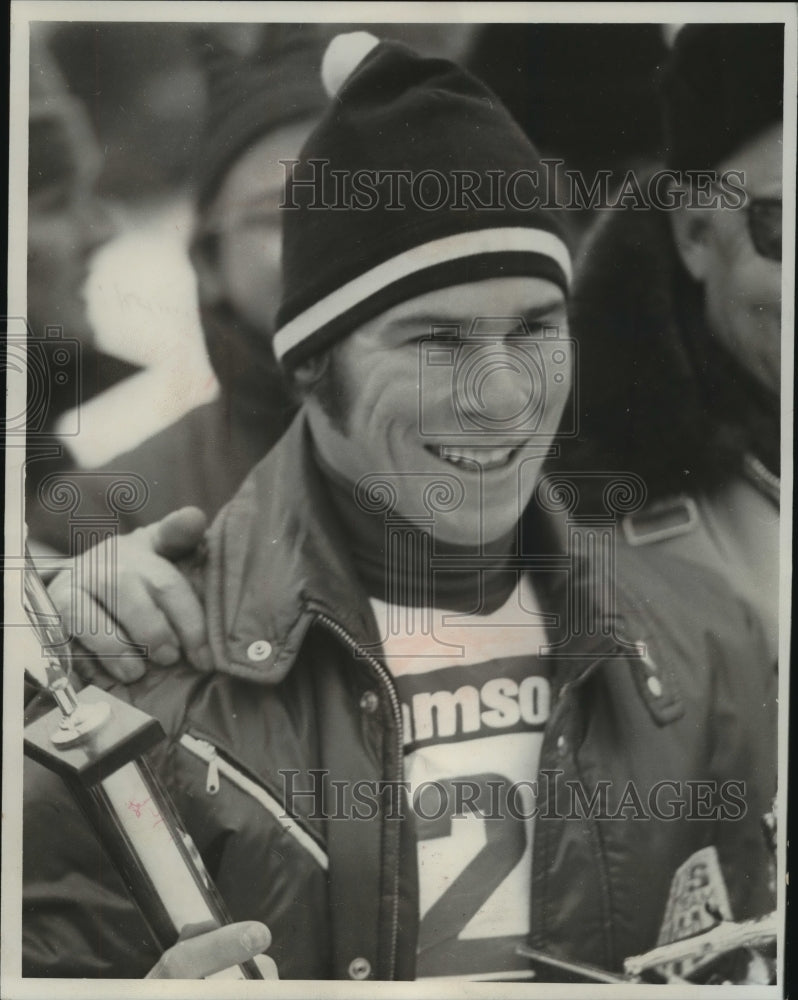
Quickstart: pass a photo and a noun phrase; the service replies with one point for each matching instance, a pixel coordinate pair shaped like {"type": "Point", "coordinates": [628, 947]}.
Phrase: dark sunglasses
{"type": "Point", "coordinates": [764, 225]}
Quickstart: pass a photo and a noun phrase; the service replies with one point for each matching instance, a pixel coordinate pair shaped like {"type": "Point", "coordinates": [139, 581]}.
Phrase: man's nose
{"type": "Point", "coordinates": [500, 381]}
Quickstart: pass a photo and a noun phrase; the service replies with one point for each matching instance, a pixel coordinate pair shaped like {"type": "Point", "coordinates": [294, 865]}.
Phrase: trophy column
{"type": "Point", "coordinates": [96, 744]}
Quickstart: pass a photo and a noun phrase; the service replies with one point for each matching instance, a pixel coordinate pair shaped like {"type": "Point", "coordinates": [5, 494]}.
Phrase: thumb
{"type": "Point", "coordinates": [266, 966]}
{"type": "Point", "coordinates": [179, 533]}
{"type": "Point", "coordinates": [215, 951]}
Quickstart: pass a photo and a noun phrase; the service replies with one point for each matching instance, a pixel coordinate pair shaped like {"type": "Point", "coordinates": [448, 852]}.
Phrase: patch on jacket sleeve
{"type": "Point", "coordinates": [697, 898]}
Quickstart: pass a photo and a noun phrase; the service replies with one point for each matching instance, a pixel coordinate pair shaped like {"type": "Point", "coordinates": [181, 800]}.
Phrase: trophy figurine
{"type": "Point", "coordinates": [96, 744]}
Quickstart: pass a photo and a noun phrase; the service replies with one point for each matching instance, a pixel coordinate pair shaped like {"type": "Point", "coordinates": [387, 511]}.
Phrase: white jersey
{"type": "Point", "coordinates": [475, 699]}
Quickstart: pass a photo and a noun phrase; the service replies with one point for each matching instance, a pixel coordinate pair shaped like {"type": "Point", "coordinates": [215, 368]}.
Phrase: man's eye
{"type": "Point", "coordinates": [529, 328]}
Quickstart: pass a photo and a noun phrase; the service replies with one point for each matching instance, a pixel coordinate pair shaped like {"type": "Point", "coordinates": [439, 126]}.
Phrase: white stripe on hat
{"type": "Point", "coordinates": [509, 239]}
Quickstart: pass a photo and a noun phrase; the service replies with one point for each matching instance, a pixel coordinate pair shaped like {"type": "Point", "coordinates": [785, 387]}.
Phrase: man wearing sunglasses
{"type": "Point", "coordinates": [678, 314]}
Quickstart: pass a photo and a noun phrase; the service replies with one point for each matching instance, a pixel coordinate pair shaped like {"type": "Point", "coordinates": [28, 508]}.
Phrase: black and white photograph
{"type": "Point", "coordinates": [399, 418]}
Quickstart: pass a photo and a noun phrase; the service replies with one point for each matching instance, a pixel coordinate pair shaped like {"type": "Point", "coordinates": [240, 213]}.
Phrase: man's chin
{"type": "Point", "coordinates": [479, 519]}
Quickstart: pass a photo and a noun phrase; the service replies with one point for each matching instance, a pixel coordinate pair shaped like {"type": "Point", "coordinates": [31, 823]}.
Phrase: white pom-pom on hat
{"type": "Point", "coordinates": [344, 54]}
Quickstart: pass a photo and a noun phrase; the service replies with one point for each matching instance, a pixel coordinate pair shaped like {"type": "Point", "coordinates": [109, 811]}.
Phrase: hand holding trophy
{"type": "Point", "coordinates": [96, 744]}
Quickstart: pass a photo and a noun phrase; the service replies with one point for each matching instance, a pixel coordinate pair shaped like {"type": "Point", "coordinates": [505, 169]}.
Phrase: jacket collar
{"type": "Point", "coordinates": [275, 561]}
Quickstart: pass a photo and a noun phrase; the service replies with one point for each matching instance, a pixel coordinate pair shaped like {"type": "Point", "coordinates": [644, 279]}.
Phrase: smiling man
{"type": "Point", "coordinates": [469, 762]}
{"type": "Point", "coordinates": [480, 400]}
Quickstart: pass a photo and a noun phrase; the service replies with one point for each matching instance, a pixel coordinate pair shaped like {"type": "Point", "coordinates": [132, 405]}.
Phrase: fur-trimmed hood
{"type": "Point", "coordinates": [657, 394]}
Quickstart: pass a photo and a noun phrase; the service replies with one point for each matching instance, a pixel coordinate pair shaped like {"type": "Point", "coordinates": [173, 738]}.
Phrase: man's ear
{"type": "Point", "coordinates": [690, 227]}
{"type": "Point", "coordinates": [305, 376]}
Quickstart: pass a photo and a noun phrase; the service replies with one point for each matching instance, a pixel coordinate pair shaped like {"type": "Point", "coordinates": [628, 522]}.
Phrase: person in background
{"type": "Point", "coordinates": [67, 224]}
{"type": "Point", "coordinates": [678, 317]}
{"type": "Point", "coordinates": [261, 106]}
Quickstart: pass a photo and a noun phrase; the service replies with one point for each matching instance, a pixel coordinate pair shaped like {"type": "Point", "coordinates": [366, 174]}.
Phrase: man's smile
{"type": "Point", "coordinates": [466, 457]}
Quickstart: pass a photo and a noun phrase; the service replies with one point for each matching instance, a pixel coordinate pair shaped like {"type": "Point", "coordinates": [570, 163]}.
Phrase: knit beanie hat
{"type": "Point", "coordinates": [415, 179]}
{"type": "Point", "coordinates": [722, 86]}
{"type": "Point", "coordinates": [249, 96]}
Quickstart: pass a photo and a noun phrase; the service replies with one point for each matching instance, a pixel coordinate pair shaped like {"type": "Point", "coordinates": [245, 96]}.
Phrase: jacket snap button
{"type": "Point", "coordinates": [359, 968]}
{"type": "Point", "coordinates": [370, 702]}
{"type": "Point", "coordinates": [562, 744]}
{"type": "Point", "coordinates": [654, 685]}
{"type": "Point", "coordinates": [259, 650]}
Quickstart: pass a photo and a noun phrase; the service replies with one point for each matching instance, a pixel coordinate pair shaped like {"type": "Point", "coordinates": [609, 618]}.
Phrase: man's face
{"type": "Point", "coordinates": [244, 222]}
{"type": "Point", "coordinates": [742, 288]}
{"type": "Point", "coordinates": [67, 223]}
{"type": "Point", "coordinates": [475, 409]}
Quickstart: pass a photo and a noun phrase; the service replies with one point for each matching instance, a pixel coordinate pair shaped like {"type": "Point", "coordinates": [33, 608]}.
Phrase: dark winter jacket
{"type": "Point", "coordinates": [294, 692]}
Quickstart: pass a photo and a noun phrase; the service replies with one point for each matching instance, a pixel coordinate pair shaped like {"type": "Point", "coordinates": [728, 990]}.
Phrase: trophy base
{"type": "Point", "coordinates": [85, 720]}
{"type": "Point", "coordinates": [108, 735]}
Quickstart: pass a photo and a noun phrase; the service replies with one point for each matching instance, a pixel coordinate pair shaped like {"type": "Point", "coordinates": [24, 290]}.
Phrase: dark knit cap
{"type": "Point", "coordinates": [722, 86]}
{"type": "Point", "coordinates": [390, 240]}
{"type": "Point", "coordinates": [250, 96]}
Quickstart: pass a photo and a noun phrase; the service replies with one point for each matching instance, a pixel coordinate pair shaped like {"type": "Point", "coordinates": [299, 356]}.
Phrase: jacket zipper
{"type": "Point", "coordinates": [212, 781]}
{"type": "Point", "coordinates": [218, 765]}
{"type": "Point", "coordinates": [386, 682]}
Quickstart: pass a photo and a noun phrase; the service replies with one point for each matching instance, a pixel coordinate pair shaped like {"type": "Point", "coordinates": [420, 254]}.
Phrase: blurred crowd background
{"type": "Point", "coordinates": [584, 93]}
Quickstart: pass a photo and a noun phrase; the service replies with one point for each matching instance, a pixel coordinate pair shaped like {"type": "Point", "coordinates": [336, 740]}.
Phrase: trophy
{"type": "Point", "coordinates": [96, 744]}
{"type": "Point", "coordinates": [727, 953]}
